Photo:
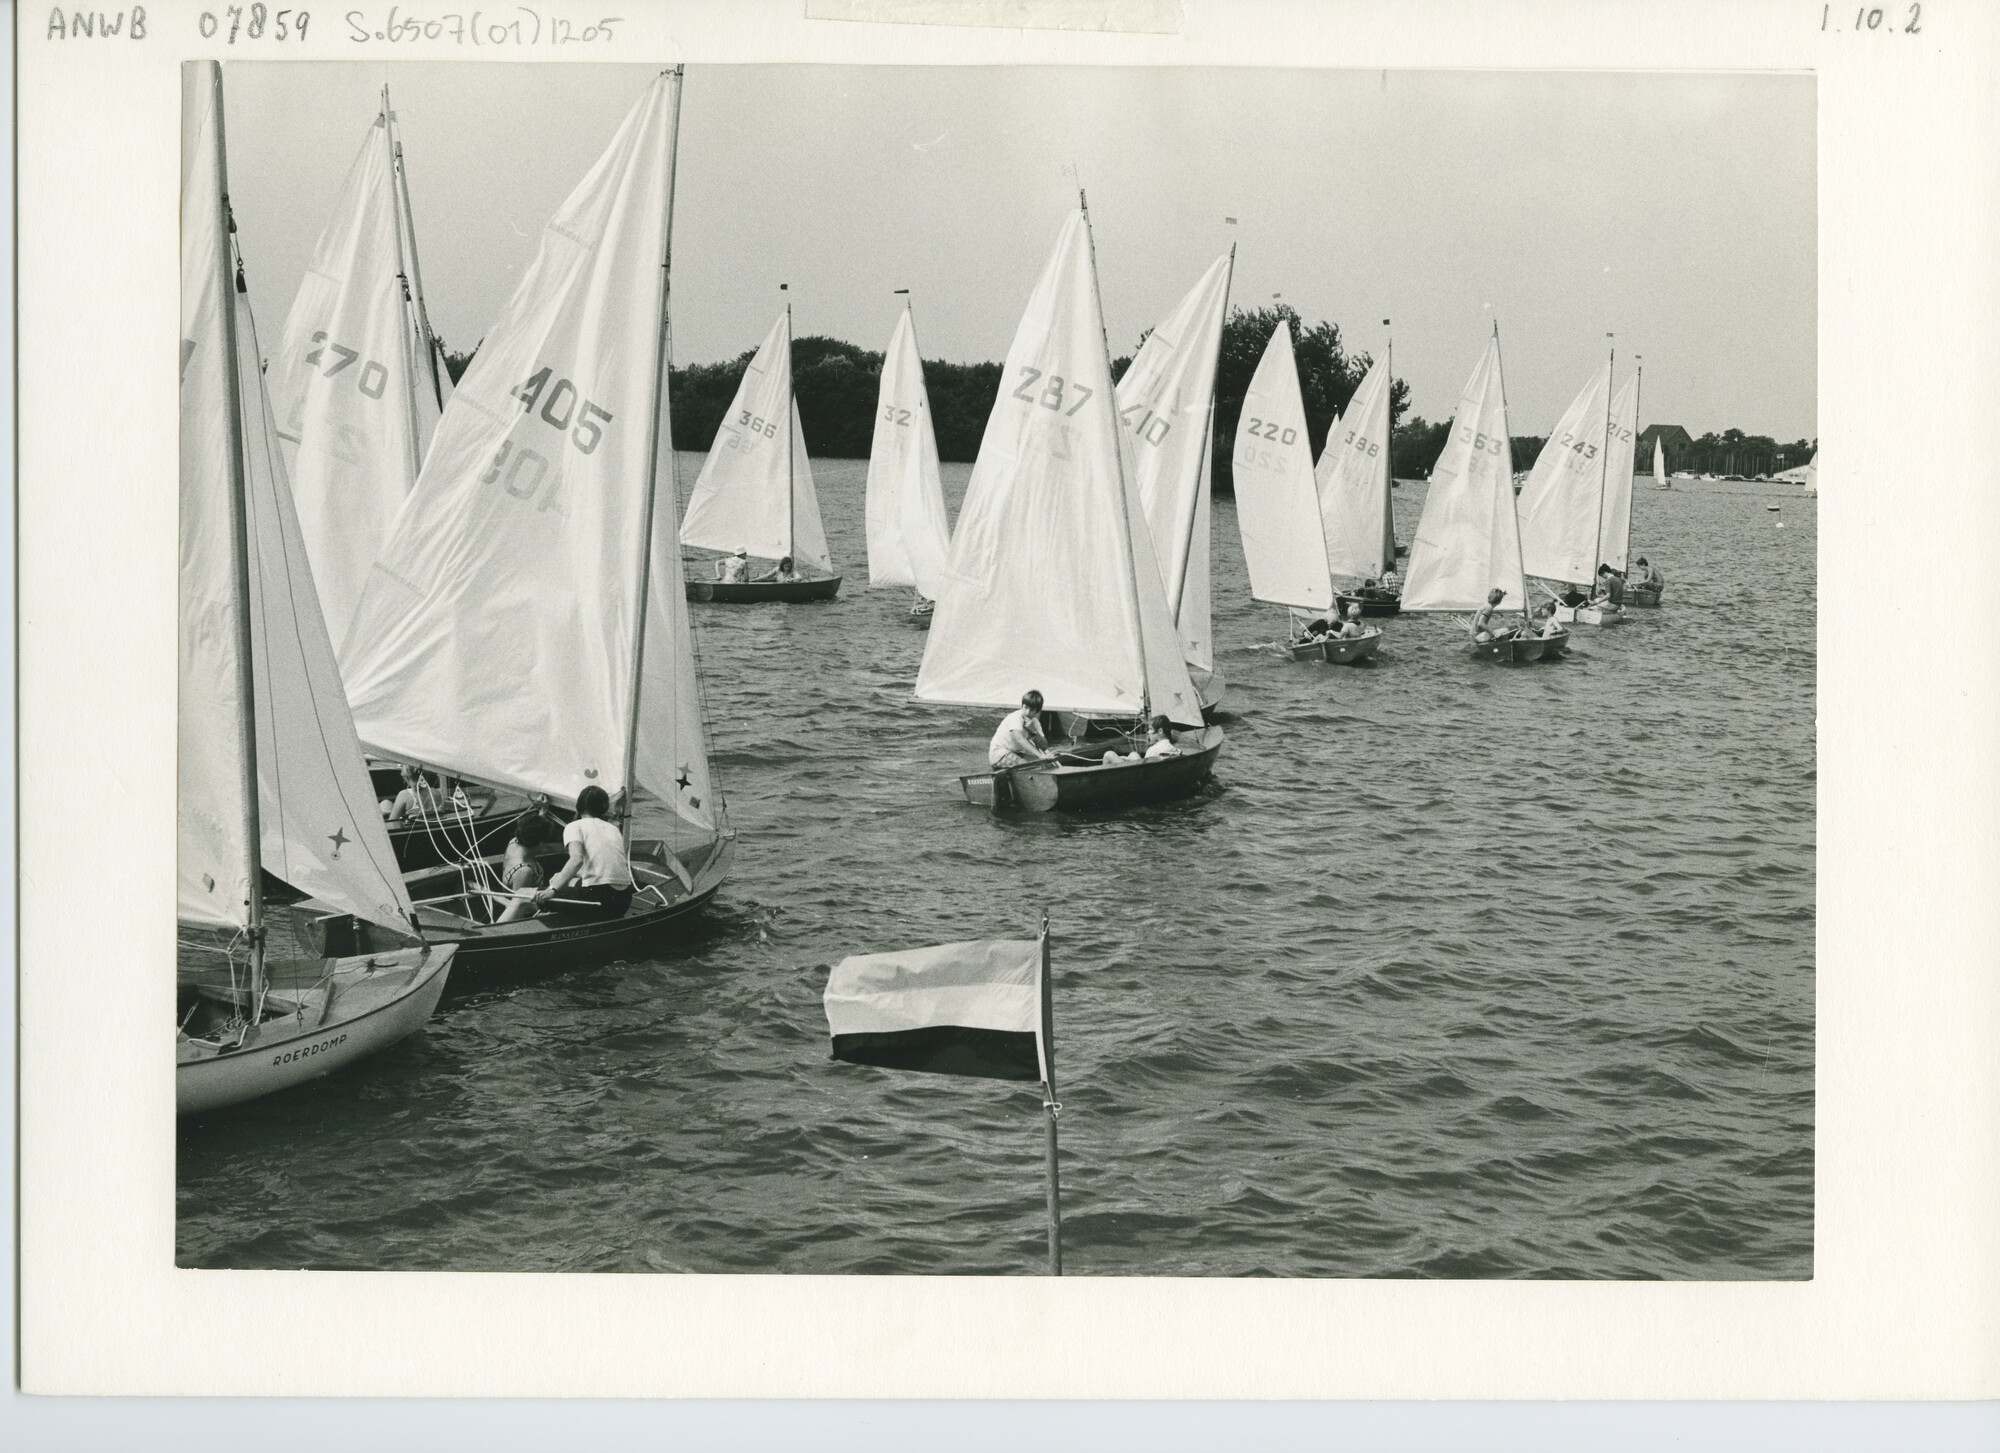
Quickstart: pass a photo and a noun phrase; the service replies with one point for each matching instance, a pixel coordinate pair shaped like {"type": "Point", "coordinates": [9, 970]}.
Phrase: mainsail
{"type": "Point", "coordinates": [1615, 536]}
{"type": "Point", "coordinates": [495, 638]}
{"type": "Point", "coordinates": [1277, 506]}
{"type": "Point", "coordinates": [1467, 542]}
{"type": "Point", "coordinates": [908, 538]}
{"type": "Point", "coordinates": [1659, 458]}
{"type": "Point", "coordinates": [1052, 583]}
{"type": "Point", "coordinates": [352, 382]}
{"type": "Point", "coordinates": [1562, 506]}
{"type": "Point", "coordinates": [319, 826]}
{"type": "Point", "coordinates": [1165, 401]}
{"type": "Point", "coordinates": [1353, 479]}
{"type": "Point", "coordinates": [756, 489]}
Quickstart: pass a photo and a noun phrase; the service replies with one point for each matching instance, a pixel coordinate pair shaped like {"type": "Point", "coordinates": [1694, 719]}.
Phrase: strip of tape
{"type": "Point", "coordinates": [1138, 17]}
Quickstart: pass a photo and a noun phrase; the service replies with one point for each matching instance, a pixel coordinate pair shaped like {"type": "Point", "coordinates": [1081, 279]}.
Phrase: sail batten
{"type": "Point", "coordinates": [755, 492]}
{"type": "Point", "coordinates": [1052, 583]}
{"type": "Point", "coordinates": [908, 537]}
{"type": "Point", "coordinates": [1468, 541]}
{"type": "Point", "coordinates": [1277, 503]}
{"type": "Point", "coordinates": [495, 636]}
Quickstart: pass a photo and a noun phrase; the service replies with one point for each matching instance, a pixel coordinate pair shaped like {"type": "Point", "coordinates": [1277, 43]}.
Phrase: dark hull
{"type": "Point", "coordinates": [760, 592]}
{"type": "Point", "coordinates": [1642, 597]}
{"type": "Point", "coordinates": [1372, 603]}
{"type": "Point", "coordinates": [1080, 786]}
{"type": "Point", "coordinates": [1521, 650]}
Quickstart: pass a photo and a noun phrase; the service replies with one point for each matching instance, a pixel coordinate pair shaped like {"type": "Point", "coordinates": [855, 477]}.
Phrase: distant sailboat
{"type": "Point", "coordinates": [1166, 402]}
{"type": "Point", "coordinates": [1564, 505]}
{"type": "Point", "coordinates": [270, 774]}
{"type": "Point", "coordinates": [1468, 541]}
{"type": "Point", "coordinates": [1053, 584]}
{"type": "Point", "coordinates": [359, 384]}
{"type": "Point", "coordinates": [1660, 480]}
{"type": "Point", "coordinates": [525, 627]}
{"type": "Point", "coordinates": [1357, 512]}
{"type": "Point", "coordinates": [909, 537]}
{"type": "Point", "coordinates": [755, 494]}
{"type": "Point", "coordinates": [1278, 508]}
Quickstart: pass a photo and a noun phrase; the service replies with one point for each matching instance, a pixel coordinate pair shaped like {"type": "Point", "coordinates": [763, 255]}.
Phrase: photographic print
{"type": "Point", "coordinates": [986, 670]}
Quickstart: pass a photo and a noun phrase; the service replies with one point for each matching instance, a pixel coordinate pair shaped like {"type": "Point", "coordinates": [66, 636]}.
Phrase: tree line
{"type": "Point", "coordinates": [836, 384]}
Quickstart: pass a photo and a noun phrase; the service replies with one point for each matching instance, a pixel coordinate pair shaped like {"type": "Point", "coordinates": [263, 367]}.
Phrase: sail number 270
{"type": "Point", "coordinates": [1055, 391]}
{"type": "Point", "coordinates": [559, 407]}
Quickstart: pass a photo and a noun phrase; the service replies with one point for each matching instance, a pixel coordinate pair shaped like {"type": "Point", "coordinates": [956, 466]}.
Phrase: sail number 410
{"type": "Point", "coordinates": [560, 407]}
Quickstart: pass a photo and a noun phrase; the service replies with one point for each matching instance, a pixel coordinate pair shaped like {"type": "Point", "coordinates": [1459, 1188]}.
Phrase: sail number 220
{"type": "Point", "coordinates": [1055, 391]}
{"type": "Point", "coordinates": [559, 407]}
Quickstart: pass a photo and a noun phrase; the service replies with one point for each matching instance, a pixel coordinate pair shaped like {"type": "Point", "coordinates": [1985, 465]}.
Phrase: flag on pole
{"type": "Point", "coordinates": [979, 1008]}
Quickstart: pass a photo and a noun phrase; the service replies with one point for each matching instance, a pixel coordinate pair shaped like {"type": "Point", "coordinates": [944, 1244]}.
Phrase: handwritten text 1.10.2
{"type": "Point", "coordinates": [1883, 22]}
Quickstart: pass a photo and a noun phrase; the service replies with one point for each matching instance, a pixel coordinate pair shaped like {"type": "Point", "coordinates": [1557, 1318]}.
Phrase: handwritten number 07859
{"type": "Point", "coordinates": [1054, 391]}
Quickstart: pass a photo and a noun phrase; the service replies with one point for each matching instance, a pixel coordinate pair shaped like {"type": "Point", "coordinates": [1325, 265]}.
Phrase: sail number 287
{"type": "Point", "coordinates": [1054, 392]}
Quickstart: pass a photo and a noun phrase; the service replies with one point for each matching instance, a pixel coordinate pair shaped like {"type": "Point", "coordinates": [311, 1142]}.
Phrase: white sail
{"type": "Point", "coordinates": [1562, 505]}
{"type": "Point", "coordinates": [319, 824]}
{"type": "Point", "coordinates": [756, 491]}
{"type": "Point", "coordinates": [672, 758]}
{"type": "Point", "coordinates": [908, 538]}
{"type": "Point", "coordinates": [1467, 542]}
{"type": "Point", "coordinates": [1277, 505]}
{"type": "Point", "coordinates": [350, 383]}
{"type": "Point", "coordinates": [1353, 481]}
{"type": "Point", "coordinates": [1659, 460]}
{"type": "Point", "coordinates": [495, 635]}
{"type": "Point", "coordinates": [1052, 583]}
{"type": "Point", "coordinates": [1165, 400]}
{"type": "Point", "coordinates": [1615, 536]}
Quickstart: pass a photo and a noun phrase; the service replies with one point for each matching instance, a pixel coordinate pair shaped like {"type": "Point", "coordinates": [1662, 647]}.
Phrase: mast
{"type": "Point", "coordinates": [1124, 505]}
{"type": "Point", "coordinates": [402, 281]}
{"type": "Point", "coordinates": [1603, 462]}
{"type": "Point", "coordinates": [1507, 484]}
{"type": "Point", "coordinates": [1388, 457]}
{"type": "Point", "coordinates": [662, 361]}
{"type": "Point", "coordinates": [1208, 436]}
{"type": "Point", "coordinates": [239, 540]}
{"type": "Point", "coordinates": [409, 223]}
{"type": "Point", "coordinates": [791, 463]}
{"type": "Point", "coordinates": [1638, 386]}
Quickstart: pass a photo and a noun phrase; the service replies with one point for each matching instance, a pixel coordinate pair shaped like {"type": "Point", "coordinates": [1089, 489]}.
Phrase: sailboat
{"type": "Point", "coordinates": [1166, 402]}
{"type": "Point", "coordinates": [1562, 509]}
{"type": "Point", "coordinates": [1660, 480]}
{"type": "Point", "coordinates": [359, 384]}
{"type": "Point", "coordinates": [1621, 444]}
{"type": "Point", "coordinates": [908, 536]}
{"type": "Point", "coordinates": [270, 773]}
{"type": "Point", "coordinates": [1357, 512]}
{"type": "Point", "coordinates": [755, 493]}
{"type": "Point", "coordinates": [1278, 508]}
{"type": "Point", "coordinates": [525, 627]}
{"type": "Point", "coordinates": [1052, 584]}
{"type": "Point", "coordinates": [1468, 541]}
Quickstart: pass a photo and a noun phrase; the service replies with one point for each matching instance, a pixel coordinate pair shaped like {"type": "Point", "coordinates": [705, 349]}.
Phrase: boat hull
{"type": "Point", "coordinates": [1076, 786]}
{"type": "Point", "coordinates": [1603, 614]}
{"type": "Point", "coordinates": [492, 954]}
{"type": "Point", "coordinates": [1373, 603]}
{"type": "Point", "coordinates": [1520, 650]}
{"type": "Point", "coordinates": [1644, 596]}
{"type": "Point", "coordinates": [1348, 650]}
{"type": "Point", "coordinates": [376, 1001]}
{"type": "Point", "coordinates": [761, 592]}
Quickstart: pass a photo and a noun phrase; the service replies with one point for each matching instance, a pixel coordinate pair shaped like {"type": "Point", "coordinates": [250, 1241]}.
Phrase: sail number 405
{"type": "Point", "coordinates": [1053, 393]}
{"type": "Point", "coordinates": [560, 407]}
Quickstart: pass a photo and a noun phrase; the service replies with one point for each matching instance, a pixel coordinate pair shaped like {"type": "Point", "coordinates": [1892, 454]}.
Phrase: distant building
{"type": "Point", "coordinates": [1677, 439]}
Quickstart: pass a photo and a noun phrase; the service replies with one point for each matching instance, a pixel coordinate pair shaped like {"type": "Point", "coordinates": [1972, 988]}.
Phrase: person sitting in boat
{"type": "Point", "coordinates": [1160, 739]}
{"type": "Point", "coordinates": [1610, 585]}
{"type": "Point", "coordinates": [1484, 627]}
{"type": "Point", "coordinates": [597, 865]}
{"type": "Point", "coordinates": [1572, 597]}
{"type": "Point", "coordinates": [1546, 624]}
{"type": "Point", "coordinates": [1390, 582]}
{"type": "Point", "coordinates": [417, 801]}
{"type": "Point", "coordinates": [1316, 629]}
{"type": "Point", "coordinates": [785, 570]}
{"type": "Point", "coordinates": [520, 872]}
{"type": "Point", "coordinates": [1649, 576]}
{"type": "Point", "coordinates": [734, 569]}
{"type": "Point", "coordinates": [1019, 739]}
{"type": "Point", "coordinates": [1350, 627]}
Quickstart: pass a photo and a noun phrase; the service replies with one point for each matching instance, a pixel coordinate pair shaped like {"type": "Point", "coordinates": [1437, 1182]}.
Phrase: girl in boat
{"type": "Point", "coordinates": [1483, 627]}
{"type": "Point", "coordinates": [520, 873]}
{"type": "Point", "coordinates": [597, 862]}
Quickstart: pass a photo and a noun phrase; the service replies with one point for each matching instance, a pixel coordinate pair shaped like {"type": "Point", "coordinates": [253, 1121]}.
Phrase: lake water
{"type": "Point", "coordinates": [1455, 970]}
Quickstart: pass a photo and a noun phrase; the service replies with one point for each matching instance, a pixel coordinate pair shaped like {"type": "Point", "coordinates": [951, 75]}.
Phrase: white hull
{"type": "Point", "coordinates": [1591, 615]}
{"type": "Point", "coordinates": [375, 1002]}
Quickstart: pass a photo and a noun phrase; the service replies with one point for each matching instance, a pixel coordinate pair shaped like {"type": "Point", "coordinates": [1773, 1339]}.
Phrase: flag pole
{"type": "Point", "coordinates": [1050, 1108]}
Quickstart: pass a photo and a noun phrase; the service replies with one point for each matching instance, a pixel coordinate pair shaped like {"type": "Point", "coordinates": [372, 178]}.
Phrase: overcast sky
{"type": "Point", "coordinates": [1677, 211]}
